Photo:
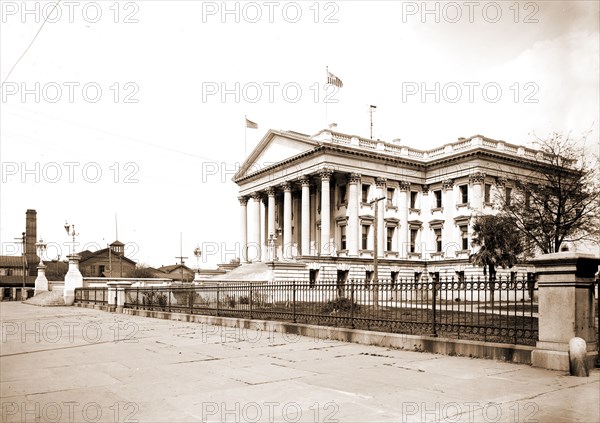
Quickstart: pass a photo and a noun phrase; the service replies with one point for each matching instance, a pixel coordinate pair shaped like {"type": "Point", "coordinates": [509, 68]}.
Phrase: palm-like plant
{"type": "Point", "coordinates": [500, 245]}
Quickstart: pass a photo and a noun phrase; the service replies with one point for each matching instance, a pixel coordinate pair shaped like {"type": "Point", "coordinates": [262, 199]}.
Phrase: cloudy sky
{"type": "Point", "coordinates": [136, 109]}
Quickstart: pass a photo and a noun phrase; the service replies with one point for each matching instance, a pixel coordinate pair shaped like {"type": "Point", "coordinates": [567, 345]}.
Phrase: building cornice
{"type": "Point", "coordinates": [378, 151]}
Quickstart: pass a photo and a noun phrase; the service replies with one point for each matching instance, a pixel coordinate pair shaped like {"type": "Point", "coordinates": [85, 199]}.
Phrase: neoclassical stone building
{"type": "Point", "coordinates": [308, 204]}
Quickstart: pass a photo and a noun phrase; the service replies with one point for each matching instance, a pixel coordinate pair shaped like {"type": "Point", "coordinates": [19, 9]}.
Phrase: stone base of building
{"type": "Point", "coordinates": [555, 356]}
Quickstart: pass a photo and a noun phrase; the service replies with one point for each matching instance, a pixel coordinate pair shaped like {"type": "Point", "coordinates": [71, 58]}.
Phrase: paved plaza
{"type": "Point", "coordinates": [75, 364]}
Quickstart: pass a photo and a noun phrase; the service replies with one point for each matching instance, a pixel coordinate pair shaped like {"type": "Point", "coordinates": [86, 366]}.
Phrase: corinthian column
{"type": "Point", "coordinates": [243, 228]}
{"type": "Point", "coordinates": [325, 175]}
{"type": "Point", "coordinates": [305, 181]}
{"type": "Point", "coordinates": [403, 188]}
{"type": "Point", "coordinates": [353, 226]}
{"type": "Point", "coordinates": [287, 220]}
{"type": "Point", "coordinates": [254, 244]}
{"type": "Point", "coordinates": [379, 187]}
{"type": "Point", "coordinates": [476, 181]}
{"type": "Point", "coordinates": [449, 206]}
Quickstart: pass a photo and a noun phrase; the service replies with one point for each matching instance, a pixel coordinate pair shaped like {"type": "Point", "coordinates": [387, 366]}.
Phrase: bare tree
{"type": "Point", "coordinates": [142, 270]}
{"type": "Point", "coordinates": [560, 200]}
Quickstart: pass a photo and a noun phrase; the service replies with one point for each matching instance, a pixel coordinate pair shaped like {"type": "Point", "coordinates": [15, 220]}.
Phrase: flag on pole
{"type": "Point", "coordinates": [334, 80]}
{"type": "Point", "coordinates": [250, 124]}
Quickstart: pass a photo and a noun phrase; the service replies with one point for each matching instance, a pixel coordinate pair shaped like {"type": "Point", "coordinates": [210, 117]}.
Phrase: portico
{"type": "Point", "coordinates": [307, 199]}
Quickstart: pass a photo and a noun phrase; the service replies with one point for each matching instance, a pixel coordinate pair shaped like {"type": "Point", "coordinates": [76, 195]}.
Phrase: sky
{"type": "Point", "coordinates": [133, 111]}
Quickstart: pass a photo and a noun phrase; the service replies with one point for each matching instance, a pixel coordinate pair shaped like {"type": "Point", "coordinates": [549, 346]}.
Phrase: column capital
{"type": "Point", "coordinates": [304, 180]}
{"type": "Point", "coordinates": [500, 181]}
{"type": "Point", "coordinates": [270, 191]}
{"type": "Point", "coordinates": [325, 173]}
{"type": "Point", "coordinates": [255, 196]}
{"type": "Point", "coordinates": [243, 199]}
{"type": "Point", "coordinates": [353, 178]}
{"type": "Point", "coordinates": [380, 182]}
{"type": "Point", "coordinates": [286, 186]}
{"type": "Point", "coordinates": [425, 189]}
{"type": "Point", "coordinates": [403, 185]}
{"type": "Point", "coordinates": [477, 178]}
{"type": "Point", "coordinates": [448, 184]}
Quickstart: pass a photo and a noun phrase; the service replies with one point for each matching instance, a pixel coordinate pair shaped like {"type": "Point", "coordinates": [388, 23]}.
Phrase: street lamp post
{"type": "Point", "coordinates": [22, 239]}
{"type": "Point", "coordinates": [41, 249]}
{"type": "Point", "coordinates": [197, 253]}
{"type": "Point", "coordinates": [375, 202]}
{"type": "Point", "coordinates": [71, 232]}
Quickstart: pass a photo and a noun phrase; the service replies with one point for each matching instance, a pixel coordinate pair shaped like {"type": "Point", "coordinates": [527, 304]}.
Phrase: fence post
{"type": "Point", "coordinates": [191, 300]}
{"type": "Point", "coordinates": [566, 308]}
{"type": "Point", "coordinates": [251, 293]}
{"type": "Point", "coordinates": [352, 304]}
{"type": "Point", "coordinates": [434, 303]}
{"type": "Point", "coordinates": [119, 294]}
{"type": "Point", "coordinates": [294, 301]}
{"type": "Point", "coordinates": [218, 291]}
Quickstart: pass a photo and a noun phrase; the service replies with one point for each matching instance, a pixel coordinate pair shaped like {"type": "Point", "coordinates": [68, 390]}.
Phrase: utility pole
{"type": "Point", "coordinates": [376, 252]}
{"type": "Point", "coordinates": [371, 109]}
{"type": "Point", "coordinates": [181, 254]}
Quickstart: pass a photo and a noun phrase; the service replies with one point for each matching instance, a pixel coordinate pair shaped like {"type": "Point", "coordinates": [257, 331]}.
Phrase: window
{"type": "Point", "coordinates": [464, 234]}
{"type": "Point", "coordinates": [527, 199]}
{"type": "Point", "coordinates": [394, 278]}
{"type": "Point", "coordinates": [438, 198]}
{"type": "Point", "coordinates": [368, 277]}
{"type": "Point", "coordinates": [413, 199]}
{"type": "Point", "coordinates": [487, 193]}
{"type": "Point", "coordinates": [390, 239]}
{"type": "Point", "coordinates": [438, 240]}
{"type": "Point", "coordinates": [342, 194]}
{"type": "Point", "coordinates": [343, 237]}
{"type": "Point", "coordinates": [461, 277]}
{"type": "Point", "coordinates": [418, 276]}
{"type": "Point", "coordinates": [390, 197]}
{"type": "Point", "coordinates": [413, 240]}
{"type": "Point", "coordinates": [365, 237]}
{"type": "Point", "coordinates": [464, 194]}
{"type": "Point", "coordinates": [313, 275]}
{"type": "Point", "coordinates": [365, 193]}
{"type": "Point", "coordinates": [342, 277]}
{"type": "Point", "coordinates": [507, 193]}
{"type": "Point", "coordinates": [101, 270]}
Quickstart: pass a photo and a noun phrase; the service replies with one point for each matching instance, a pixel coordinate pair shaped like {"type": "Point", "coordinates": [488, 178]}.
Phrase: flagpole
{"type": "Point", "coordinates": [325, 98]}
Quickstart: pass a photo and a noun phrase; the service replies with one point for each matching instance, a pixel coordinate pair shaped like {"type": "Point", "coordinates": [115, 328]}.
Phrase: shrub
{"type": "Point", "coordinates": [231, 301]}
{"type": "Point", "coordinates": [162, 300]}
{"type": "Point", "coordinates": [342, 304]}
{"type": "Point", "coordinates": [244, 300]}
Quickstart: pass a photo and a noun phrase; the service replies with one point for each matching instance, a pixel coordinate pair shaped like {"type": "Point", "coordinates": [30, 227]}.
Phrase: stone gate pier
{"type": "Point", "coordinates": [566, 287]}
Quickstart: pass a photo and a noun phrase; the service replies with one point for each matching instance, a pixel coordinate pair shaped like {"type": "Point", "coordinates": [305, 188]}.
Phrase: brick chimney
{"type": "Point", "coordinates": [30, 240]}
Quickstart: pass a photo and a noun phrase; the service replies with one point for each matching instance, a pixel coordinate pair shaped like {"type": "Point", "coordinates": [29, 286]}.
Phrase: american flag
{"type": "Point", "coordinates": [250, 124]}
{"type": "Point", "coordinates": [334, 80]}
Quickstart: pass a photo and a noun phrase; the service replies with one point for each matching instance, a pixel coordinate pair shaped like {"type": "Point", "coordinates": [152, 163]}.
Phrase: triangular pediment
{"type": "Point", "coordinates": [275, 147]}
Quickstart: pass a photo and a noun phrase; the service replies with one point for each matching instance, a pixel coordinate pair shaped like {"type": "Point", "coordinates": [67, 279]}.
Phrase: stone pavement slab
{"type": "Point", "coordinates": [74, 364]}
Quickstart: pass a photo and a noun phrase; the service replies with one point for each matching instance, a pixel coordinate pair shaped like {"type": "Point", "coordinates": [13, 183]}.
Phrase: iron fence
{"type": "Point", "coordinates": [503, 310]}
{"type": "Point", "coordinates": [96, 295]}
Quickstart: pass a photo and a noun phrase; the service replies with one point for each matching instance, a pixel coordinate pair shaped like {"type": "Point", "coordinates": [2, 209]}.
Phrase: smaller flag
{"type": "Point", "coordinates": [250, 124]}
{"type": "Point", "coordinates": [334, 80]}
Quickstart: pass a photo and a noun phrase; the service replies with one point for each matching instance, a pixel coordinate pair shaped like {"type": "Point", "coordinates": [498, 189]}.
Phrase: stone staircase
{"type": "Point", "coordinates": [47, 299]}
